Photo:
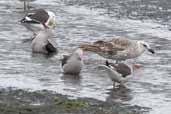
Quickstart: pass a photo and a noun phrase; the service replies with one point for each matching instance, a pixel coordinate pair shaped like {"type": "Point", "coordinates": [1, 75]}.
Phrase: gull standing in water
{"type": "Point", "coordinates": [72, 64]}
{"type": "Point", "coordinates": [119, 49]}
{"type": "Point", "coordinates": [39, 19]}
{"type": "Point", "coordinates": [44, 43]}
{"type": "Point", "coordinates": [118, 73]}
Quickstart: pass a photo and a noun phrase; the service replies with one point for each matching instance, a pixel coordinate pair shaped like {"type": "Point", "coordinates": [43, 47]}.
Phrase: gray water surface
{"type": "Point", "coordinates": [84, 21]}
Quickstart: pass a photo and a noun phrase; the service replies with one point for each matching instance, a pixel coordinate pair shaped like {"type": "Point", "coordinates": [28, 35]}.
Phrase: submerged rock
{"type": "Point", "coordinates": [19, 101]}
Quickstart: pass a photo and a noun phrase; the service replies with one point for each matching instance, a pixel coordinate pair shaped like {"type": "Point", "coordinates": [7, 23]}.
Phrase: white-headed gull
{"type": "Point", "coordinates": [118, 49]}
{"type": "Point", "coordinates": [72, 64]}
{"type": "Point", "coordinates": [44, 43]}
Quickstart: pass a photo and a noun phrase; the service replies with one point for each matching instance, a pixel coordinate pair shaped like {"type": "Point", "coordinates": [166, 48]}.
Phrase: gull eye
{"type": "Point", "coordinates": [145, 45]}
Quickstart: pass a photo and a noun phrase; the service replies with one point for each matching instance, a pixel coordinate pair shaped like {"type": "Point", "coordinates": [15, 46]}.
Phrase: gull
{"type": "Point", "coordinates": [119, 49]}
{"type": "Point", "coordinates": [118, 73]}
{"type": "Point", "coordinates": [72, 64]}
{"type": "Point", "coordinates": [43, 42]}
{"type": "Point", "coordinates": [39, 19]}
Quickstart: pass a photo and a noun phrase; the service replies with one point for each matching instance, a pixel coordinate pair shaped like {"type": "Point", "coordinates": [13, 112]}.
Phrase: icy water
{"type": "Point", "coordinates": [84, 21]}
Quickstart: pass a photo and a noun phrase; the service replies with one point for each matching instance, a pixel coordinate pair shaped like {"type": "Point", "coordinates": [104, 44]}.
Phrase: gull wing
{"type": "Point", "coordinates": [65, 59]}
{"type": "Point", "coordinates": [39, 15]}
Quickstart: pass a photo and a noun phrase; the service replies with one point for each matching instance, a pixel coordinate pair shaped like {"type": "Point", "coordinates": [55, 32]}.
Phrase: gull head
{"type": "Point", "coordinates": [146, 46]}
{"type": "Point", "coordinates": [51, 23]}
{"type": "Point", "coordinates": [79, 52]}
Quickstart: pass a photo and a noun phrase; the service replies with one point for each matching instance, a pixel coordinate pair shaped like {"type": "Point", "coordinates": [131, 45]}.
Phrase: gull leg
{"type": "Point", "coordinates": [113, 84]}
{"type": "Point", "coordinates": [135, 65]}
{"type": "Point", "coordinates": [24, 6]}
{"type": "Point", "coordinates": [28, 6]}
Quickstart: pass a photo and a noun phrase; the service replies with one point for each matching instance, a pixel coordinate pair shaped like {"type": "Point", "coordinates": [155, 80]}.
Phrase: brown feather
{"type": "Point", "coordinates": [121, 43]}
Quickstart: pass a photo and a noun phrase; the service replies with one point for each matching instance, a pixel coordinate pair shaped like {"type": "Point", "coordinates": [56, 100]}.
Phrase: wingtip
{"type": "Point", "coordinates": [107, 63]}
{"type": "Point", "coordinates": [22, 20]}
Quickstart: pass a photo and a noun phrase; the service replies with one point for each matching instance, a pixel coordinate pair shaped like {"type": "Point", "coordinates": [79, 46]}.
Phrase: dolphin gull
{"type": "Point", "coordinates": [43, 42]}
{"type": "Point", "coordinates": [72, 64]}
{"type": "Point", "coordinates": [39, 19]}
{"type": "Point", "coordinates": [119, 49]}
{"type": "Point", "coordinates": [119, 73]}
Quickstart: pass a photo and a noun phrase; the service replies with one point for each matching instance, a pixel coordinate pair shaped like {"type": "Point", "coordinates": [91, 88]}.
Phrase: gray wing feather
{"type": "Point", "coordinates": [65, 59]}
{"type": "Point", "coordinates": [39, 15]}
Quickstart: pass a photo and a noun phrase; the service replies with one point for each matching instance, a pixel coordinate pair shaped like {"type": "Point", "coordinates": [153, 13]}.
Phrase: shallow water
{"type": "Point", "coordinates": [89, 20]}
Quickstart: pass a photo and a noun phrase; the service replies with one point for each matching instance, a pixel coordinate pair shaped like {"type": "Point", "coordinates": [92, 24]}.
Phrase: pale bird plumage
{"type": "Point", "coordinates": [44, 43]}
{"type": "Point", "coordinates": [119, 49]}
{"type": "Point", "coordinates": [72, 64]}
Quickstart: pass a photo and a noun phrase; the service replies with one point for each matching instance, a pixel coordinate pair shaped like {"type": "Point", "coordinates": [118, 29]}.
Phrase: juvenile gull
{"type": "Point", "coordinates": [72, 64]}
{"type": "Point", "coordinates": [43, 42]}
{"type": "Point", "coordinates": [119, 49]}
{"type": "Point", "coordinates": [119, 73]}
{"type": "Point", "coordinates": [39, 19]}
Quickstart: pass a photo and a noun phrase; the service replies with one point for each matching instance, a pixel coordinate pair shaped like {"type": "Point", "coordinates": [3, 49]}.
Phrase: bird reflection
{"type": "Point", "coordinates": [74, 80]}
{"type": "Point", "coordinates": [121, 93]}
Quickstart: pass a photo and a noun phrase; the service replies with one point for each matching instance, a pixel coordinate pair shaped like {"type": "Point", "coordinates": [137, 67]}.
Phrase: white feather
{"type": "Point", "coordinates": [114, 75]}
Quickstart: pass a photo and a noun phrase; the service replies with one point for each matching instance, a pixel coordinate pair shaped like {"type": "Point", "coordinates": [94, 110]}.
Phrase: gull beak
{"type": "Point", "coordinates": [151, 50]}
